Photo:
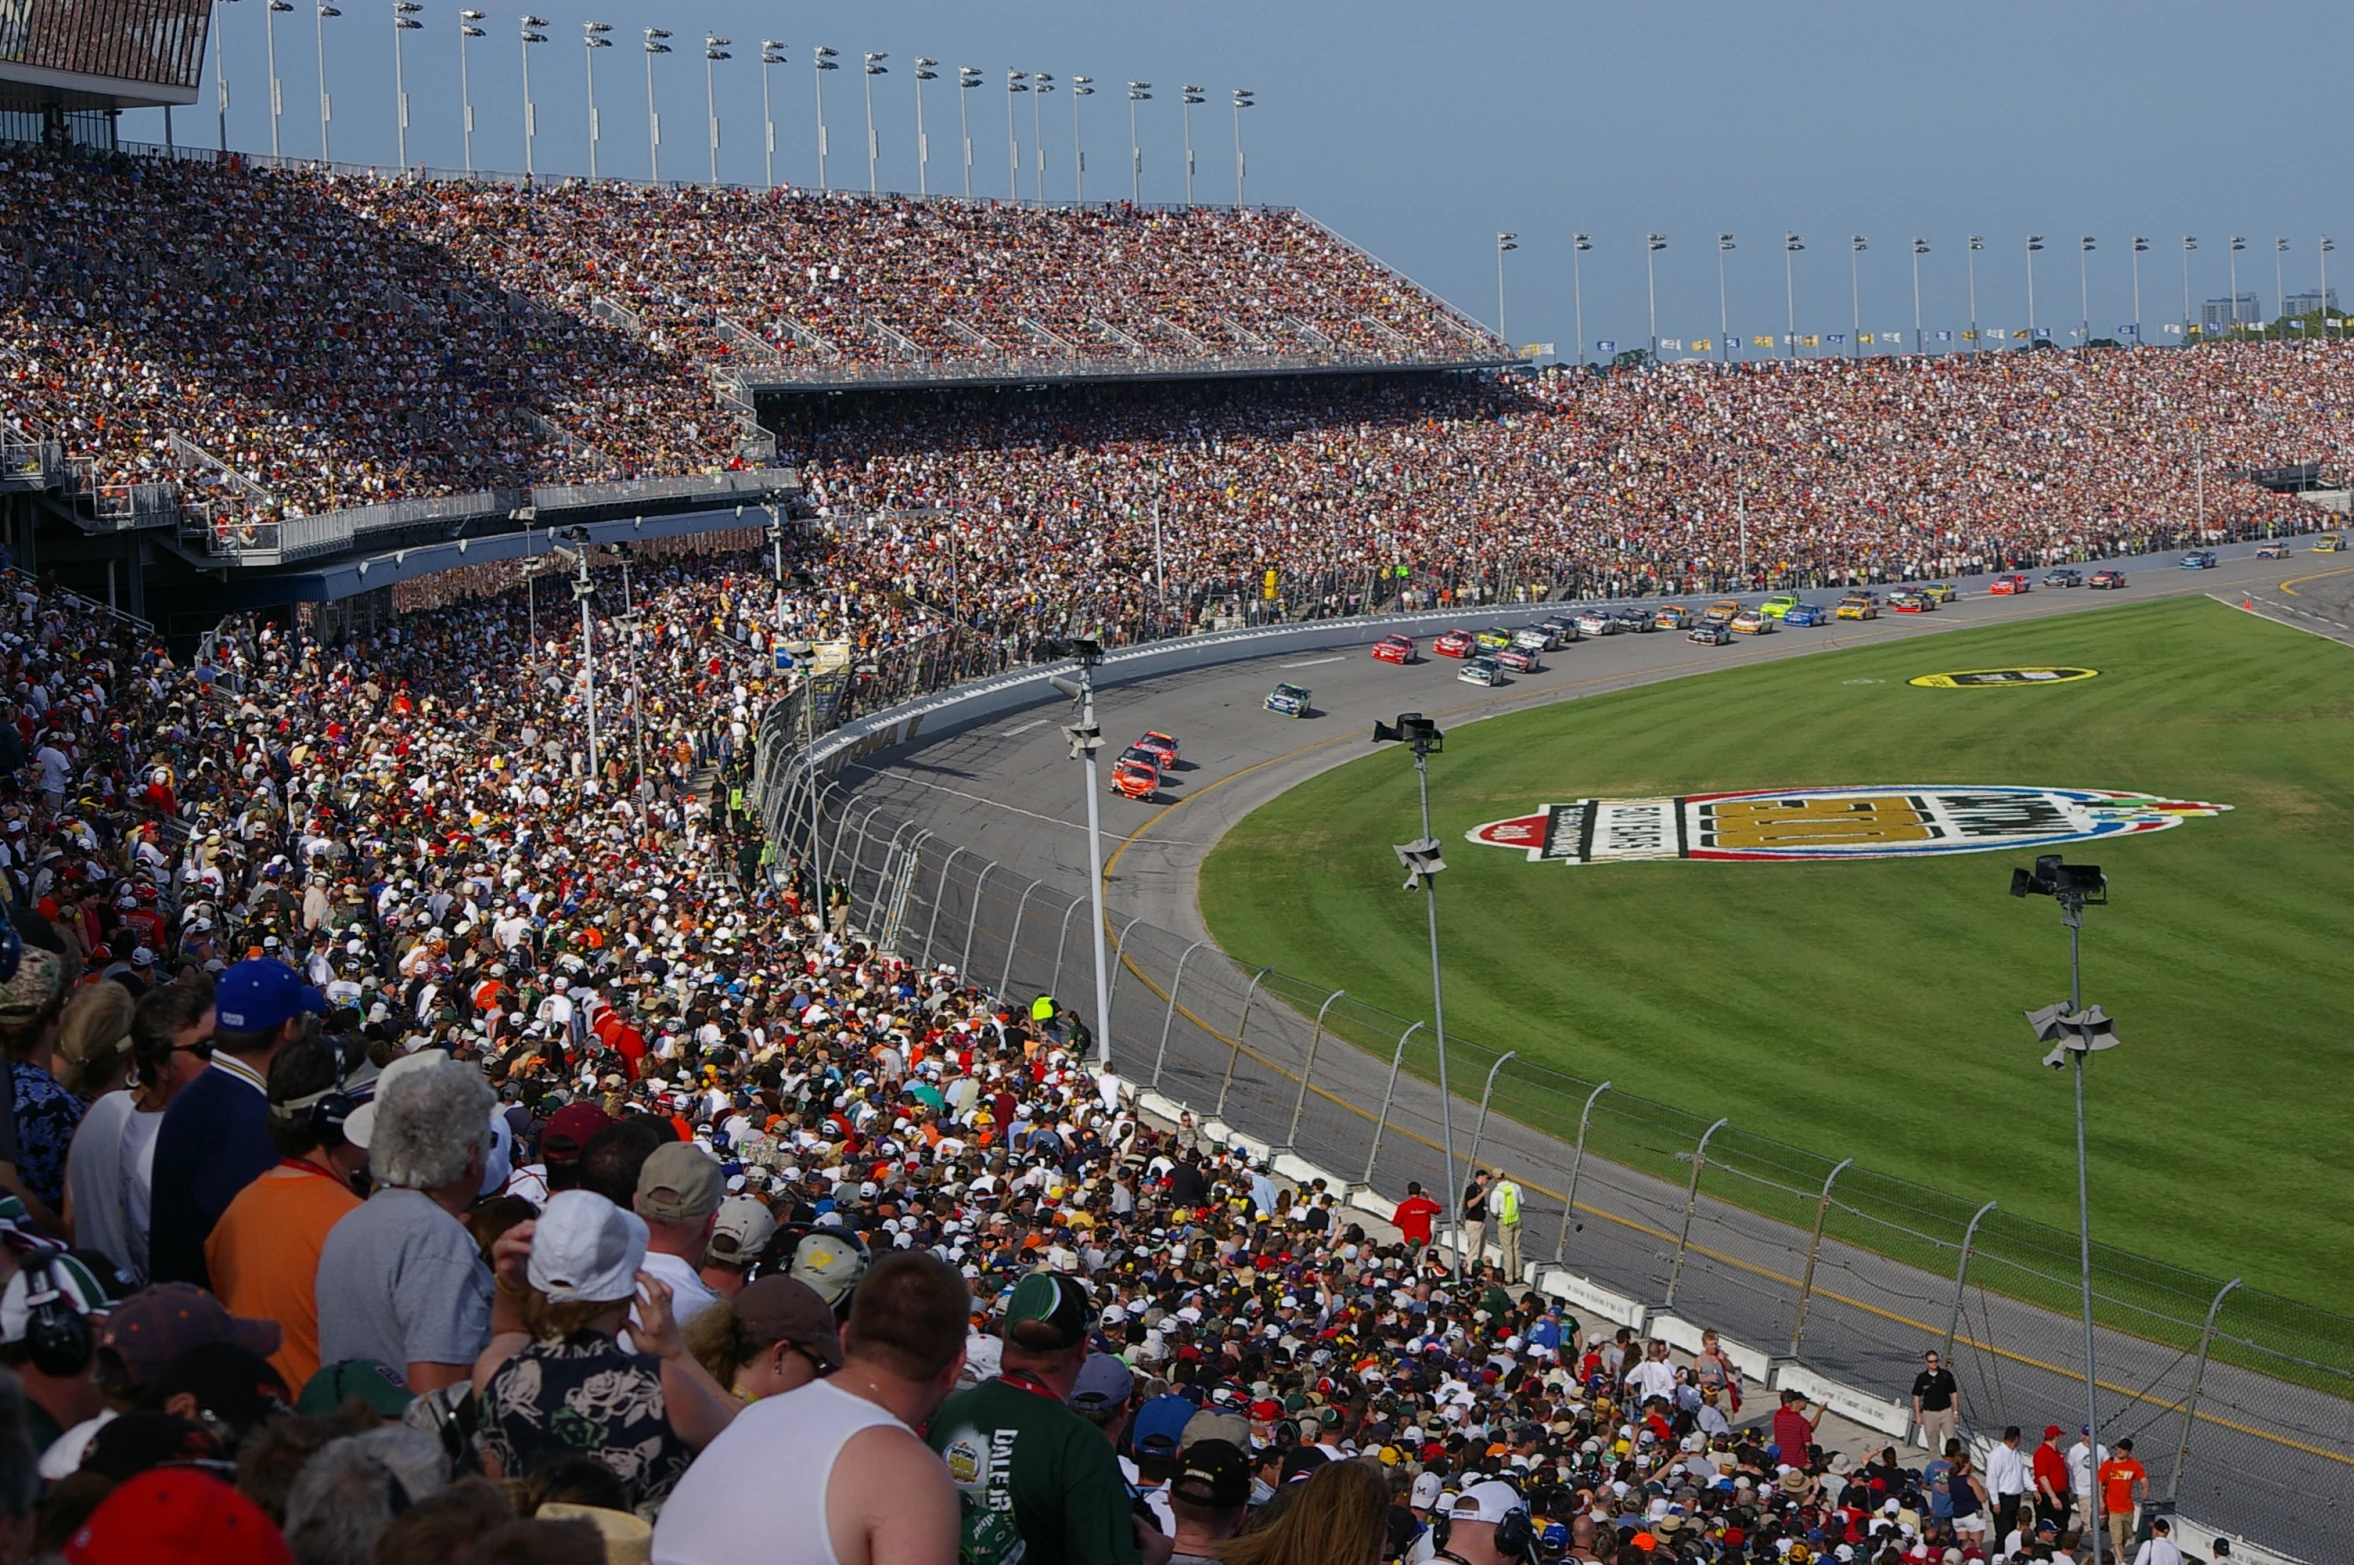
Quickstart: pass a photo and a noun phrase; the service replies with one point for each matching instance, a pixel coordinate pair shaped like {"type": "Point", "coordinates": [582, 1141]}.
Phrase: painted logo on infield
{"type": "Point", "coordinates": [1832, 823]}
{"type": "Point", "coordinates": [1976, 678]}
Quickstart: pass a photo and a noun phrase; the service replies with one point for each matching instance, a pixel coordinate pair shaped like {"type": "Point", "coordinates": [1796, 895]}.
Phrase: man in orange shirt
{"type": "Point", "coordinates": [263, 1254]}
{"type": "Point", "coordinates": [2123, 1483]}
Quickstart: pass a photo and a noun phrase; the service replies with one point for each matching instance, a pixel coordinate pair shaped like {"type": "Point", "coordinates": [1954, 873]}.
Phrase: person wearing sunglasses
{"type": "Point", "coordinates": [110, 1171]}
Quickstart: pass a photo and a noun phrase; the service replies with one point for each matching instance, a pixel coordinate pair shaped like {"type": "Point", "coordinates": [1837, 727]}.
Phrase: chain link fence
{"type": "Point", "coordinates": [2240, 1402]}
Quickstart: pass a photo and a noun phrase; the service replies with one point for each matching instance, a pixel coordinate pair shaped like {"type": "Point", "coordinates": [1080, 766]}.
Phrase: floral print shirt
{"type": "Point", "coordinates": [584, 1396]}
{"type": "Point", "coordinates": [46, 1116]}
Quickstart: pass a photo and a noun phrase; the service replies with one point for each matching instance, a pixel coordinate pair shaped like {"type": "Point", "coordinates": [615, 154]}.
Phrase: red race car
{"type": "Point", "coordinates": [1394, 649]}
{"type": "Point", "coordinates": [1134, 780]}
{"type": "Point", "coordinates": [1162, 747]}
{"type": "Point", "coordinates": [2007, 586]}
{"type": "Point", "coordinates": [1454, 644]}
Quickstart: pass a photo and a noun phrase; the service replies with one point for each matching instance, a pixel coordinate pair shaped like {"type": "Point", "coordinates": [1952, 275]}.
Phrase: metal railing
{"type": "Point", "coordinates": [1118, 366]}
{"type": "Point", "coordinates": [2243, 1400]}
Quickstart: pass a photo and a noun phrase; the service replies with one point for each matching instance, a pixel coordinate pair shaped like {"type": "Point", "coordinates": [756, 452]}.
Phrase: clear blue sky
{"type": "Point", "coordinates": [1421, 131]}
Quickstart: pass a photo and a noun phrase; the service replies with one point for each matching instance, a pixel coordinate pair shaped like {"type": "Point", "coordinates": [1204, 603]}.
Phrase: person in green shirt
{"type": "Point", "coordinates": [1037, 1483]}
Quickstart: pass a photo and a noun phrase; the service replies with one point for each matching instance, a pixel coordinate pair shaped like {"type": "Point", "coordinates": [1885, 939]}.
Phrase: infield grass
{"type": "Point", "coordinates": [1872, 1009]}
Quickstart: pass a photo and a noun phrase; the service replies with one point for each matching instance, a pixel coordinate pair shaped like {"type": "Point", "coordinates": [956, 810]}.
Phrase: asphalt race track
{"type": "Point", "coordinates": [2269, 1461]}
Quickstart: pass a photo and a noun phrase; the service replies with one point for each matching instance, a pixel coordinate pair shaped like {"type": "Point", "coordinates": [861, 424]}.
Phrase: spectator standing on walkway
{"type": "Point", "coordinates": [1936, 1401]}
{"type": "Point", "coordinates": [1473, 1239]}
{"type": "Point", "coordinates": [2124, 1484]}
{"type": "Point", "coordinates": [2050, 1468]}
{"type": "Point", "coordinates": [2083, 1462]}
{"type": "Point", "coordinates": [1794, 1431]}
{"type": "Point", "coordinates": [1413, 1217]}
{"type": "Point", "coordinates": [1504, 1202]}
{"type": "Point", "coordinates": [2008, 1478]}
{"type": "Point", "coordinates": [2160, 1549]}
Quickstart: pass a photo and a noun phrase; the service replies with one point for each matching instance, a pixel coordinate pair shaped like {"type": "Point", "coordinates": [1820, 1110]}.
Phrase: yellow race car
{"type": "Point", "coordinates": [2329, 543]}
{"type": "Point", "coordinates": [1938, 592]}
{"type": "Point", "coordinates": [1858, 608]}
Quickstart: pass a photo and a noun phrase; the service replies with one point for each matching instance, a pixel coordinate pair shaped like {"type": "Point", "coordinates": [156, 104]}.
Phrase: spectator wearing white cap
{"type": "Point", "coordinates": [1487, 1525]}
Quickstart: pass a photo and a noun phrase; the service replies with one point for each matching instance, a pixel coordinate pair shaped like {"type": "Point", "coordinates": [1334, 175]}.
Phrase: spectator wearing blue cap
{"type": "Point", "coordinates": [215, 1138]}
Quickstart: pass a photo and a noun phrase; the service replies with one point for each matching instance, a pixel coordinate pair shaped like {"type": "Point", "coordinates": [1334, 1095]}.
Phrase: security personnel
{"type": "Point", "coordinates": [1504, 1202]}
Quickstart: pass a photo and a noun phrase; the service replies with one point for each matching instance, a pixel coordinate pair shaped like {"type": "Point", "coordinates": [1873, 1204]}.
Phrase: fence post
{"type": "Point", "coordinates": [1479, 1126]}
{"type": "Point", "coordinates": [834, 848]}
{"type": "Point", "coordinates": [1675, 1273]}
{"type": "Point", "coordinates": [1814, 1247]}
{"type": "Point", "coordinates": [1382, 1120]}
{"type": "Point", "coordinates": [1054, 985]}
{"type": "Point", "coordinates": [939, 894]}
{"type": "Point", "coordinates": [1013, 942]}
{"type": "Point", "coordinates": [2190, 1406]}
{"type": "Point", "coordinates": [1953, 1322]}
{"type": "Point", "coordinates": [1577, 1163]}
{"type": "Point", "coordinates": [1299, 1104]}
{"type": "Point", "coordinates": [972, 923]}
{"type": "Point", "coordinates": [882, 874]}
{"type": "Point", "coordinates": [1170, 1015]}
{"type": "Point", "coordinates": [1235, 1053]}
{"type": "Point", "coordinates": [1117, 956]}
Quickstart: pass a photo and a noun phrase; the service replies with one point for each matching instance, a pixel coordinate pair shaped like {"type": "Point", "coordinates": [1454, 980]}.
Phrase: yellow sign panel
{"type": "Point", "coordinates": [1842, 820]}
{"type": "Point", "coordinates": [1979, 678]}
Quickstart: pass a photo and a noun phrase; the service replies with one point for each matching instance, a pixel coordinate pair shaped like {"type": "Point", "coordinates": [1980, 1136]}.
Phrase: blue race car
{"type": "Point", "coordinates": [1288, 700]}
{"type": "Point", "coordinates": [1803, 614]}
{"type": "Point", "coordinates": [2198, 560]}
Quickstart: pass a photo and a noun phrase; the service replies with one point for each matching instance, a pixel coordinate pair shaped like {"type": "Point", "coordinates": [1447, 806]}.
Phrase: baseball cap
{"type": "Point", "coordinates": [742, 1230]}
{"type": "Point", "coordinates": [829, 1262]}
{"type": "Point", "coordinates": [679, 1184]}
{"type": "Point", "coordinates": [259, 994]}
{"type": "Point", "coordinates": [127, 1446]}
{"type": "Point", "coordinates": [1426, 1491]}
{"type": "Point", "coordinates": [157, 1324]}
{"type": "Point", "coordinates": [1216, 1424]}
{"type": "Point", "coordinates": [234, 1384]}
{"type": "Point", "coordinates": [785, 1309]}
{"type": "Point", "coordinates": [39, 976]}
{"type": "Point", "coordinates": [1159, 1426]}
{"type": "Point", "coordinates": [569, 1131]}
{"type": "Point", "coordinates": [1104, 1382]}
{"type": "Point", "coordinates": [77, 1287]}
{"type": "Point", "coordinates": [1214, 1473]}
{"type": "Point", "coordinates": [1489, 1502]}
{"type": "Point", "coordinates": [176, 1516]}
{"type": "Point", "coordinates": [1055, 1303]}
{"type": "Point", "coordinates": [373, 1381]}
{"type": "Point", "coordinates": [2052, 1431]}
{"type": "Point", "coordinates": [586, 1250]}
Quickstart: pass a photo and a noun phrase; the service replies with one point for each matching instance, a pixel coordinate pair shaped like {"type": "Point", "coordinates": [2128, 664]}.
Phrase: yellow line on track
{"type": "Point", "coordinates": [2290, 586]}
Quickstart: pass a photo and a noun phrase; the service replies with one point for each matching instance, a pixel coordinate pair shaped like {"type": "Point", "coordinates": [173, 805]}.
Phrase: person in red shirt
{"type": "Point", "coordinates": [2052, 1498]}
{"type": "Point", "coordinates": [1794, 1432]}
{"type": "Point", "coordinates": [1414, 1216]}
{"type": "Point", "coordinates": [2123, 1482]}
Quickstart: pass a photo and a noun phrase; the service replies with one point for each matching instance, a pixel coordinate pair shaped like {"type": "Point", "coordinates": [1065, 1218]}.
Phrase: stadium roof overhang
{"type": "Point", "coordinates": [29, 89]}
{"type": "Point", "coordinates": [800, 380]}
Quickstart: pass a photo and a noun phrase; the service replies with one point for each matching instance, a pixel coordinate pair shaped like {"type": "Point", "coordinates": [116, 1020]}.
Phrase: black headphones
{"type": "Point", "coordinates": [325, 1111]}
{"type": "Point", "coordinates": [1516, 1534]}
{"type": "Point", "coordinates": [57, 1335]}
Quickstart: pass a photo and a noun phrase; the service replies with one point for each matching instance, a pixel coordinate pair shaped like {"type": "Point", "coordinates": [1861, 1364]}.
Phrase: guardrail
{"type": "Point", "coordinates": [989, 371]}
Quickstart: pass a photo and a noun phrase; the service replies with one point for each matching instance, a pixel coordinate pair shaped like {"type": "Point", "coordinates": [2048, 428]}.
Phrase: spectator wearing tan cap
{"type": "Point", "coordinates": [678, 1195]}
{"type": "Point", "coordinates": [739, 1232]}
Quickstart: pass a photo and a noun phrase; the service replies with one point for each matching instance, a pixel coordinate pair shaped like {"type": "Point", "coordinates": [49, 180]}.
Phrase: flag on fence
{"type": "Point", "coordinates": [1671, 344]}
{"type": "Point", "coordinates": [2129, 330]}
{"type": "Point", "coordinates": [1703, 345]}
{"type": "Point", "coordinates": [1837, 337]}
{"type": "Point", "coordinates": [1864, 338]}
{"type": "Point", "coordinates": [1969, 336]}
{"type": "Point", "coordinates": [2172, 328]}
{"type": "Point", "coordinates": [1946, 336]}
{"type": "Point", "coordinates": [1761, 342]}
{"type": "Point", "coordinates": [1606, 347]}
{"type": "Point", "coordinates": [1814, 341]}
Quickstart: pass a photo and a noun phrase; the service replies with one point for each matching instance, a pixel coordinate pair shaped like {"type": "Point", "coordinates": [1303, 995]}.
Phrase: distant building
{"type": "Point", "coordinates": [2310, 301]}
{"type": "Point", "coordinates": [2239, 309]}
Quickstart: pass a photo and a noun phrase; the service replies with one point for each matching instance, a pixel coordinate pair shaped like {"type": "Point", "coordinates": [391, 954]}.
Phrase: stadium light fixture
{"type": "Point", "coordinates": [873, 67]}
{"type": "Point", "coordinates": [530, 35]}
{"type": "Point", "coordinates": [2327, 245]}
{"type": "Point", "coordinates": [1970, 257]}
{"type": "Point", "coordinates": [326, 105]}
{"type": "Point", "coordinates": [1920, 249]}
{"type": "Point", "coordinates": [2280, 293]}
{"type": "Point", "coordinates": [1016, 82]}
{"type": "Point", "coordinates": [1579, 244]}
{"type": "Point", "coordinates": [468, 30]}
{"type": "Point", "coordinates": [967, 78]}
{"type": "Point", "coordinates": [1243, 99]}
{"type": "Point", "coordinates": [277, 91]}
{"type": "Point", "coordinates": [1652, 245]}
{"type": "Point", "coordinates": [1504, 242]}
{"type": "Point", "coordinates": [1138, 92]}
{"type": "Point", "coordinates": [404, 20]}
{"type": "Point", "coordinates": [1857, 244]}
{"type": "Point", "coordinates": [1189, 98]}
{"type": "Point", "coordinates": [2035, 333]}
{"type": "Point", "coordinates": [1041, 83]}
{"type": "Point", "coordinates": [1086, 738]}
{"type": "Point", "coordinates": [714, 48]}
{"type": "Point", "coordinates": [923, 143]}
{"type": "Point", "coordinates": [2237, 245]}
{"type": "Point", "coordinates": [654, 46]}
{"type": "Point", "coordinates": [821, 60]}
{"type": "Point", "coordinates": [592, 38]}
{"type": "Point", "coordinates": [2141, 245]}
{"type": "Point", "coordinates": [1791, 245]}
{"type": "Point", "coordinates": [1083, 87]}
{"type": "Point", "coordinates": [772, 52]}
{"type": "Point", "coordinates": [2079, 1034]}
{"type": "Point", "coordinates": [1423, 864]}
{"type": "Point", "coordinates": [2084, 249]}
{"type": "Point", "coordinates": [1724, 317]}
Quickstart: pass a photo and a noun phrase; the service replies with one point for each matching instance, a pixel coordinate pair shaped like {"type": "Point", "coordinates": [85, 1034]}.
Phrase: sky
{"type": "Point", "coordinates": [1421, 132]}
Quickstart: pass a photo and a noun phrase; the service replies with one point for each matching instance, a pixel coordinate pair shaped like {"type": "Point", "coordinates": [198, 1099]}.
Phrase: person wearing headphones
{"type": "Point", "coordinates": [1489, 1524]}
{"type": "Point", "coordinates": [263, 1254]}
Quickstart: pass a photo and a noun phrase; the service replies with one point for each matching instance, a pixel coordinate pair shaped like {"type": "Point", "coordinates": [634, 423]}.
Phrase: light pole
{"type": "Point", "coordinates": [1724, 317]}
{"type": "Point", "coordinates": [1015, 83]}
{"type": "Point", "coordinates": [2034, 332]}
{"type": "Point", "coordinates": [1791, 245]}
{"type": "Point", "coordinates": [1856, 245]}
{"type": "Point", "coordinates": [874, 67]}
{"type": "Point", "coordinates": [1138, 92]}
{"type": "Point", "coordinates": [220, 79]}
{"type": "Point", "coordinates": [1920, 249]}
{"type": "Point", "coordinates": [404, 20]}
{"type": "Point", "coordinates": [326, 105]}
{"type": "Point", "coordinates": [584, 591]}
{"type": "Point", "coordinates": [2140, 245]}
{"type": "Point", "coordinates": [1652, 245]}
{"type": "Point", "coordinates": [967, 78]}
{"type": "Point", "coordinates": [1086, 738]}
{"type": "Point", "coordinates": [277, 90]}
{"type": "Point", "coordinates": [772, 52]}
{"type": "Point", "coordinates": [592, 38]}
{"type": "Point", "coordinates": [2078, 1034]}
{"type": "Point", "coordinates": [1189, 97]}
{"type": "Point", "coordinates": [1080, 88]}
{"type": "Point", "coordinates": [1041, 83]}
{"type": "Point", "coordinates": [2188, 245]}
{"type": "Point", "coordinates": [2084, 249]}
{"type": "Point", "coordinates": [923, 142]}
{"type": "Point", "coordinates": [2237, 245]}
{"type": "Point", "coordinates": [529, 35]}
{"type": "Point", "coordinates": [2280, 293]}
{"type": "Point", "coordinates": [1579, 244]}
{"type": "Point", "coordinates": [468, 31]}
{"type": "Point", "coordinates": [1977, 243]}
{"type": "Point", "coordinates": [1423, 863]}
{"type": "Point", "coordinates": [1243, 97]}
{"type": "Point", "coordinates": [821, 60]}
{"type": "Point", "coordinates": [654, 46]}
{"type": "Point", "coordinates": [1504, 242]}
{"type": "Point", "coordinates": [714, 49]}
{"type": "Point", "coordinates": [2327, 245]}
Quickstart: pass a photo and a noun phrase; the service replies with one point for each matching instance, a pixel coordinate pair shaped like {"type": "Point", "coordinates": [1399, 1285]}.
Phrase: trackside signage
{"type": "Point", "coordinates": [1887, 821]}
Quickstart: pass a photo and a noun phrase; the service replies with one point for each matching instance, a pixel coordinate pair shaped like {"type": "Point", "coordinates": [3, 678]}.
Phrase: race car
{"type": "Point", "coordinates": [1482, 671]}
{"type": "Point", "coordinates": [1452, 644]}
{"type": "Point", "coordinates": [1750, 622]}
{"type": "Point", "coordinates": [2063, 578]}
{"type": "Point", "coordinates": [1562, 630]}
{"type": "Point", "coordinates": [1938, 592]}
{"type": "Point", "coordinates": [1287, 700]}
{"type": "Point", "coordinates": [1721, 612]}
{"type": "Point", "coordinates": [2111, 580]}
{"type": "Point", "coordinates": [1534, 638]}
{"type": "Point", "coordinates": [2329, 543]}
{"type": "Point", "coordinates": [1671, 616]}
{"type": "Point", "coordinates": [1521, 660]}
{"type": "Point", "coordinates": [1596, 623]}
{"type": "Point", "coordinates": [2274, 550]}
{"type": "Point", "coordinates": [1909, 603]}
{"type": "Point", "coordinates": [1709, 633]}
{"type": "Point", "coordinates": [1636, 620]}
{"type": "Point", "coordinates": [1160, 744]}
{"type": "Point", "coordinates": [1856, 607]}
{"type": "Point", "coordinates": [1493, 639]}
{"type": "Point", "coordinates": [1131, 780]}
{"type": "Point", "coordinates": [1138, 755]}
{"type": "Point", "coordinates": [2197, 560]}
{"type": "Point", "coordinates": [1778, 605]}
{"type": "Point", "coordinates": [2008, 586]}
{"type": "Point", "coordinates": [1806, 614]}
{"type": "Point", "coordinates": [1394, 649]}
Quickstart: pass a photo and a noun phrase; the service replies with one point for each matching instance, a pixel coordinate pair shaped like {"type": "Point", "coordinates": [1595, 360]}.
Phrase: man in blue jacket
{"type": "Point", "coordinates": [215, 1138]}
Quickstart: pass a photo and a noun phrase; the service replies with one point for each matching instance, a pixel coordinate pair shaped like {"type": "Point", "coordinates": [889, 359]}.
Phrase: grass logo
{"type": "Point", "coordinates": [1979, 678]}
{"type": "Point", "coordinates": [1832, 823]}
